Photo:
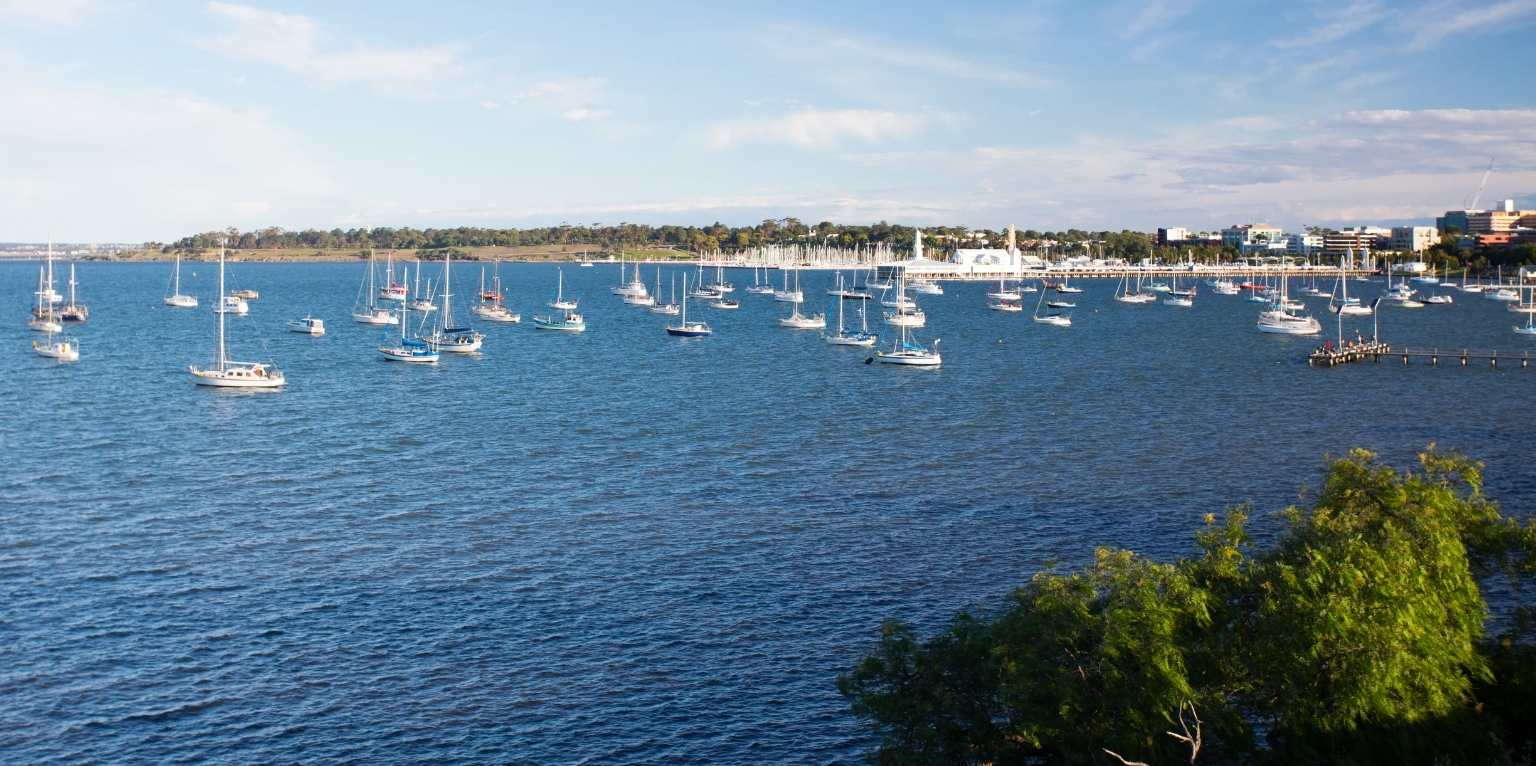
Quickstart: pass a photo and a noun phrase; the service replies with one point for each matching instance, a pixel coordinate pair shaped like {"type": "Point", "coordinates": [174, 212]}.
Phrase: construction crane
{"type": "Point", "coordinates": [1480, 186]}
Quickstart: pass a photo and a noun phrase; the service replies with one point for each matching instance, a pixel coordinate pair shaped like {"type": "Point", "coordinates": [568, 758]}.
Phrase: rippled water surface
{"type": "Point", "coordinates": [614, 547]}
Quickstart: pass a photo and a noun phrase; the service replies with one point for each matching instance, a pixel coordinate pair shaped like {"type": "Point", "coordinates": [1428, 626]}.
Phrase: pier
{"type": "Point", "coordinates": [1359, 352]}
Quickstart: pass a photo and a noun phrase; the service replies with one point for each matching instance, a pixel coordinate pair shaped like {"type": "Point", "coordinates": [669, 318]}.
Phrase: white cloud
{"type": "Point", "coordinates": [591, 113]}
{"type": "Point", "coordinates": [51, 12]}
{"type": "Point", "coordinates": [298, 44]}
{"type": "Point", "coordinates": [1146, 15]}
{"type": "Point", "coordinates": [861, 66]}
{"type": "Point", "coordinates": [119, 165]}
{"type": "Point", "coordinates": [814, 129]}
{"type": "Point", "coordinates": [1339, 23]}
{"type": "Point", "coordinates": [1436, 21]}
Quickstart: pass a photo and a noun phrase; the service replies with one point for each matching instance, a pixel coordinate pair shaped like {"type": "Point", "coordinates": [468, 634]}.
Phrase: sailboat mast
{"type": "Point", "coordinates": [178, 273]}
{"type": "Point", "coordinates": [221, 306]}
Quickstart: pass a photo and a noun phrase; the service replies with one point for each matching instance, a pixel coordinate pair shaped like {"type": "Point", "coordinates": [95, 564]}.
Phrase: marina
{"type": "Point", "coordinates": [686, 487]}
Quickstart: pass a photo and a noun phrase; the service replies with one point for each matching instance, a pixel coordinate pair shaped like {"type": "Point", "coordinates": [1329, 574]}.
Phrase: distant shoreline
{"type": "Point", "coordinates": [313, 255]}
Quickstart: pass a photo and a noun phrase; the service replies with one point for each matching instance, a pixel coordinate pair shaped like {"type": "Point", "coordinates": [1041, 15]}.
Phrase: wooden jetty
{"type": "Point", "coordinates": [1359, 352]}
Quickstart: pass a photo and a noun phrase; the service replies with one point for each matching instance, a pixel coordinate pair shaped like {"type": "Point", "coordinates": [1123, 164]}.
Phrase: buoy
{"type": "Point", "coordinates": [870, 360]}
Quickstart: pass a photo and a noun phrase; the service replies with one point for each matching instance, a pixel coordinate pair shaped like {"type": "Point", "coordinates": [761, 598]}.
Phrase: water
{"type": "Point", "coordinates": [615, 547]}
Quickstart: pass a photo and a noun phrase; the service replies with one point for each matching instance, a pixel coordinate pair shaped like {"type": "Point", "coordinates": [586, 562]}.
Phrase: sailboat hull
{"type": "Point", "coordinates": [238, 377]}
{"type": "Point", "coordinates": [909, 358]}
{"type": "Point", "coordinates": [851, 340]}
{"type": "Point", "coordinates": [64, 352]}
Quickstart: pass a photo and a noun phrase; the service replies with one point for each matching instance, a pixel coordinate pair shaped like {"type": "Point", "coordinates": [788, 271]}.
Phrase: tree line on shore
{"type": "Point", "coordinates": [1357, 636]}
{"type": "Point", "coordinates": [1124, 244]}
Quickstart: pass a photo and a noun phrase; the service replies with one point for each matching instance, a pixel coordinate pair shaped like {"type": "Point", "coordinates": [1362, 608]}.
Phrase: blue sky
{"type": "Point", "coordinates": [131, 121]}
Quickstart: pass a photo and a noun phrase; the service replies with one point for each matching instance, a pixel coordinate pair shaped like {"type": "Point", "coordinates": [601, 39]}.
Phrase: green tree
{"type": "Point", "coordinates": [1357, 637]}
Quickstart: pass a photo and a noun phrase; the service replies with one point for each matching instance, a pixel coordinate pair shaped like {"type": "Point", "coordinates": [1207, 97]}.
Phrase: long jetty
{"type": "Point", "coordinates": [1359, 352]}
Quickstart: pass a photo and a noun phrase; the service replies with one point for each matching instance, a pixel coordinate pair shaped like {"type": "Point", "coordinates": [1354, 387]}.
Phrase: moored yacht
{"type": "Point", "coordinates": [225, 373]}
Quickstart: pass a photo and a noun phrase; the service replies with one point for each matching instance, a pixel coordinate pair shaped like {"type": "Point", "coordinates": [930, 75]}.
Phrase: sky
{"type": "Point", "coordinates": [130, 121]}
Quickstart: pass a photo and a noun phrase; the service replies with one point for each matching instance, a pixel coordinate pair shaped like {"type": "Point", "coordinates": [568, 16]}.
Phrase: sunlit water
{"type": "Point", "coordinates": [615, 547]}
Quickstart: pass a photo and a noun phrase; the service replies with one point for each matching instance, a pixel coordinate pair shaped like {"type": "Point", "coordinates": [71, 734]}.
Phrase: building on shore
{"type": "Point", "coordinates": [1248, 233]}
{"type": "Point", "coordinates": [1413, 239]}
{"type": "Point", "coordinates": [1504, 218]}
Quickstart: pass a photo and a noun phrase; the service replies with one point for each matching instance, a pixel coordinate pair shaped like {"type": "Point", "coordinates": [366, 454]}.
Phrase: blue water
{"type": "Point", "coordinates": [614, 547]}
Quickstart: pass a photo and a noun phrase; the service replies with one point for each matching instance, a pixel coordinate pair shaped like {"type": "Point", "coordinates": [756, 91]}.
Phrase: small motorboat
{"type": "Point", "coordinates": [721, 303]}
{"type": "Point", "coordinates": [308, 325]}
{"type": "Point", "coordinates": [249, 295]}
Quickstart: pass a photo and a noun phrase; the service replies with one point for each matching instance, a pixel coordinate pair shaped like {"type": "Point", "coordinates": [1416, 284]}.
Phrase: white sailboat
{"type": "Point", "coordinates": [446, 337]}
{"type": "Point", "coordinates": [758, 286]}
{"type": "Point", "coordinates": [845, 336]}
{"type": "Point", "coordinates": [799, 321]}
{"type": "Point", "coordinates": [560, 303]}
{"type": "Point", "coordinates": [1054, 318]}
{"type": "Point", "coordinates": [176, 298]}
{"type": "Point", "coordinates": [364, 310]}
{"type": "Point", "coordinates": [670, 308]}
{"type": "Point", "coordinates": [1347, 306]}
{"type": "Point", "coordinates": [63, 349]}
{"type": "Point", "coordinates": [490, 307]}
{"type": "Point", "coordinates": [422, 301]}
{"type": "Point", "coordinates": [905, 313]}
{"type": "Point", "coordinates": [787, 295]}
{"type": "Point", "coordinates": [43, 319]}
{"type": "Point", "coordinates": [407, 349]}
{"type": "Point", "coordinates": [1280, 319]}
{"type": "Point", "coordinates": [905, 352]}
{"type": "Point", "coordinates": [225, 373]}
{"type": "Point", "coordinates": [568, 320]}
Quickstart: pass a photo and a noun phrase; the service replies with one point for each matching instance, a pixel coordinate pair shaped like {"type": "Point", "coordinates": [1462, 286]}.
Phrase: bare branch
{"type": "Point", "coordinates": [1122, 759]}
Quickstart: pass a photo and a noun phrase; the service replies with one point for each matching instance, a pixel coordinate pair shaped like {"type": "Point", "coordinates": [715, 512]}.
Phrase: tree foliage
{"type": "Point", "coordinates": [1356, 637]}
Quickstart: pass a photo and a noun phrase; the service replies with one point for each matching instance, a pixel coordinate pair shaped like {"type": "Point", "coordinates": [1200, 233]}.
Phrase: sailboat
{"type": "Point", "coordinates": [1064, 288]}
{"type": "Point", "coordinates": [670, 308]}
{"type": "Point", "coordinates": [446, 337]}
{"type": "Point", "coordinates": [73, 311]}
{"type": "Point", "coordinates": [1003, 293]}
{"type": "Point", "coordinates": [489, 306]}
{"type": "Point", "coordinates": [422, 301]}
{"type": "Point", "coordinates": [64, 350]}
{"type": "Point", "coordinates": [1177, 297]}
{"type": "Point", "coordinates": [1126, 295]}
{"type": "Point", "coordinates": [1281, 319]}
{"type": "Point", "coordinates": [176, 298]}
{"type": "Point", "coordinates": [1347, 306]}
{"type": "Point", "coordinates": [799, 321]}
{"type": "Point", "coordinates": [408, 349]}
{"type": "Point", "coordinates": [1055, 318]}
{"type": "Point", "coordinates": [568, 320]}
{"type": "Point", "coordinates": [844, 336]}
{"type": "Point", "coordinates": [43, 319]}
{"type": "Point", "coordinates": [686, 329]}
{"type": "Point", "coordinates": [906, 313]}
{"type": "Point", "coordinates": [758, 286]}
{"type": "Point", "coordinates": [391, 290]}
{"type": "Point", "coordinates": [1530, 316]}
{"type": "Point", "coordinates": [787, 295]}
{"type": "Point", "coordinates": [721, 286]}
{"type": "Point", "coordinates": [927, 287]}
{"type": "Point", "coordinates": [560, 303]}
{"type": "Point", "coordinates": [230, 374]}
{"type": "Point", "coordinates": [905, 352]}
{"type": "Point", "coordinates": [366, 311]}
